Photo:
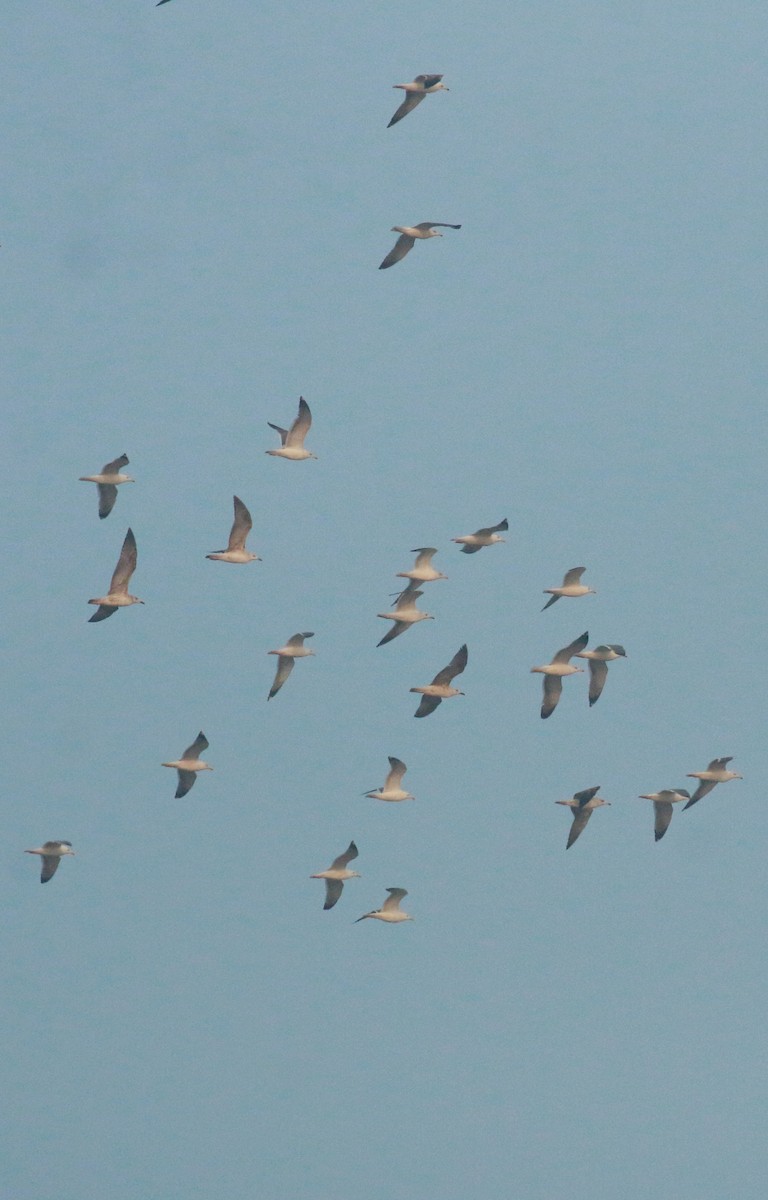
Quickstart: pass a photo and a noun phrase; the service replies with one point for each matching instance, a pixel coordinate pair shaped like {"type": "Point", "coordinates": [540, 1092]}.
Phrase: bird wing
{"type": "Point", "coordinates": [427, 81]}
{"type": "Point", "coordinates": [401, 247]}
{"type": "Point", "coordinates": [567, 652]}
{"type": "Point", "coordinates": [598, 673]}
{"type": "Point", "coordinates": [408, 105]}
{"type": "Point", "coordinates": [194, 751]}
{"type": "Point", "coordinates": [550, 602]}
{"type": "Point", "coordinates": [241, 526]}
{"type": "Point", "coordinates": [350, 853]}
{"type": "Point", "coordinates": [580, 818]}
{"type": "Point", "coordinates": [284, 668]}
{"type": "Point", "coordinates": [553, 686]}
{"type": "Point", "coordinates": [126, 565]}
{"type": "Point", "coordinates": [398, 769]}
{"type": "Point", "coordinates": [663, 815]}
{"type": "Point", "coordinates": [392, 902]}
{"type": "Point", "coordinates": [298, 639]}
{"type": "Point", "coordinates": [186, 780]}
{"type": "Point", "coordinates": [398, 628]}
{"type": "Point", "coordinates": [424, 225]}
{"type": "Point", "coordinates": [704, 788]}
{"type": "Point", "coordinates": [719, 762]}
{"type": "Point", "coordinates": [428, 705]}
{"type": "Point", "coordinates": [470, 549]}
{"type": "Point", "coordinates": [454, 668]}
{"type": "Point", "coordinates": [49, 864]}
{"type": "Point", "coordinates": [573, 576]}
{"type": "Point", "coordinates": [102, 612]}
{"type": "Point", "coordinates": [283, 432]}
{"type": "Point", "coordinates": [333, 889]}
{"type": "Point", "coordinates": [425, 555]}
{"type": "Point", "coordinates": [408, 597]}
{"type": "Point", "coordinates": [585, 796]}
{"type": "Point", "coordinates": [107, 496]}
{"type": "Point", "coordinates": [114, 467]}
{"type": "Point", "coordinates": [300, 427]}
{"type": "Point", "coordinates": [617, 650]}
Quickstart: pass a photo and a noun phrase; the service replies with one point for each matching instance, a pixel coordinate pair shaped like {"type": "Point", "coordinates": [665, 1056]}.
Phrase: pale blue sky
{"type": "Point", "coordinates": [196, 203]}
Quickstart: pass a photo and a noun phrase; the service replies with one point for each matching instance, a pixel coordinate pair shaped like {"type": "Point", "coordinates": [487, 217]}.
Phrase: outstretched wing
{"type": "Point", "coordinates": [350, 853]}
{"type": "Point", "coordinates": [573, 576]}
{"type": "Point", "coordinates": [454, 668]}
{"type": "Point", "coordinates": [580, 818]}
{"type": "Point", "coordinates": [301, 425]}
{"type": "Point", "coordinates": [663, 815]}
{"type": "Point", "coordinates": [567, 652]}
{"type": "Point", "coordinates": [194, 751]}
{"type": "Point", "coordinates": [397, 770]}
{"type": "Point", "coordinates": [241, 526]}
{"type": "Point", "coordinates": [401, 247]}
{"type": "Point", "coordinates": [424, 225]}
{"type": "Point", "coordinates": [598, 673]}
{"type": "Point", "coordinates": [392, 902]}
{"type": "Point", "coordinates": [704, 788]}
{"type": "Point", "coordinates": [333, 889]}
{"type": "Point", "coordinates": [553, 687]}
{"type": "Point", "coordinates": [126, 565]}
{"type": "Point", "coordinates": [186, 780]}
{"type": "Point", "coordinates": [102, 612]}
{"type": "Point", "coordinates": [585, 796]}
{"type": "Point", "coordinates": [408, 105]}
{"type": "Point", "coordinates": [107, 496]}
{"type": "Point", "coordinates": [428, 705]}
{"type": "Point", "coordinates": [284, 668]}
{"type": "Point", "coordinates": [397, 628]}
{"type": "Point", "coordinates": [49, 865]}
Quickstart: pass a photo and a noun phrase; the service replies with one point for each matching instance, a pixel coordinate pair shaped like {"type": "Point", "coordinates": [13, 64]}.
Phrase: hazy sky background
{"type": "Point", "coordinates": [196, 202]}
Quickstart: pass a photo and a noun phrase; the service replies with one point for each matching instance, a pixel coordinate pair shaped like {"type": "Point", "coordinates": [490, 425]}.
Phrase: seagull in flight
{"type": "Point", "coordinates": [407, 239]}
{"type": "Point", "coordinates": [236, 551]}
{"type": "Point", "coordinates": [392, 790]}
{"type": "Point", "coordinates": [118, 596]}
{"type": "Point", "coordinates": [336, 874]}
{"type": "Point", "coordinates": [472, 542]}
{"type": "Point", "coordinates": [440, 688]}
{"type": "Point", "coordinates": [294, 648]}
{"type": "Point", "coordinates": [109, 479]}
{"type": "Point", "coordinates": [390, 909]}
{"type": "Point", "coordinates": [405, 614]}
{"type": "Point", "coordinates": [555, 671]}
{"type": "Point", "coordinates": [582, 806]}
{"type": "Point", "coordinates": [598, 668]}
{"type": "Point", "coordinates": [569, 587]}
{"type": "Point", "coordinates": [189, 764]}
{"type": "Point", "coordinates": [422, 85]}
{"type": "Point", "coordinates": [51, 854]}
{"type": "Point", "coordinates": [716, 772]}
{"type": "Point", "coordinates": [662, 807]}
{"type": "Point", "coordinates": [292, 440]}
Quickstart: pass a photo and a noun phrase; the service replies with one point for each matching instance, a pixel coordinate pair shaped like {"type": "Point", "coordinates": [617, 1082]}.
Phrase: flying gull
{"type": "Point", "coordinates": [422, 570]}
{"type": "Point", "coordinates": [716, 772]}
{"type": "Point", "coordinates": [294, 648]}
{"type": "Point", "coordinates": [598, 667]}
{"type": "Point", "coordinates": [118, 596]}
{"type": "Point", "coordinates": [51, 854]}
{"type": "Point", "coordinates": [569, 587]}
{"type": "Point", "coordinates": [236, 551]}
{"type": "Point", "coordinates": [662, 807]}
{"type": "Point", "coordinates": [582, 806]}
{"type": "Point", "coordinates": [405, 614]}
{"type": "Point", "coordinates": [472, 542]}
{"type": "Point", "coordinates": [553, 674]}
{"type": "Point", "coordinates": [293, 439]}
{"type": "Point", "coordinates": [109, 479]}
{"type": "Point", "coordinates": [390, 909]}
{"type": "Point", "coordinates": [408, 236]}
{"type": "Point", "coordinates": [392, 790]}
{"type": "Point", "coordinates": [423, 85]}
{"type": "Point", "coordinates": [189, 764]}
{"type": "Point", "coordinates": [440, 688]}
{"type": "Point", "coordinates": [336, 874]}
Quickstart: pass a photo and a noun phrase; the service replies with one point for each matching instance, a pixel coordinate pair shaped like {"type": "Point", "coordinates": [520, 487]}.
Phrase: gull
{"type": "Point", "coordinates": [472, 542]}
{"type": "Point", "coordinates": [236, 551]}
{"type": "Point", "coordinates": [390, 909]}
{"type": "Point", "coordinates": [415, 92]}
{"type": "Point", "coordinates": [554, 672]}
{"type": "Point", "coordinates": [336, 874]}
{"type": "Point", "coordinates": [407, 239]}
{"type": "Point", "coordinates": [582, 806]}
{"type": "Point", "coordinates": [405, 614]}
{"type": "Point", "coordinates": [293, 439]}
{"type": "Point", "coordinates": [440, 688]}
{"type": "Point", "coordinates": [422, 570]}
{"type": "Point", "coordinates": [715, 773]}
{"type": "Point", "coordinates": [189, 764]}
{"type": "Point", "coordinates": [598, 670]}
{"type": "Point", "coordinates": [293, 648]}
{"type": "Point", "coordinates": [662, 807]}
{"type": "Point", "coordinates": [118, 596]}
{"type": "Point", "coordinates": [51, 854]}
{"type": "Point", "coordinates": [392, 790]}
{"type": "Point", "coordinates": [109, 479]}
{"type": "Point", "coordinates": [569, 587]}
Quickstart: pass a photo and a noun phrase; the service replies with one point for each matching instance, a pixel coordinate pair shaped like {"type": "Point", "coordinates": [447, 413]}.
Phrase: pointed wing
{"type": "Point", "coordinates": [454, 668]}
{"type": "Point", "coordinates": [704, 788]}
{"type": "Point", "coordinates": [408, 597]}
{"type": "Point", "coordinates": [102, 612]}
{"type": "Point", "coordinates": [497, 528]}
{"type": "Point", "coordinates": [186, 780]}
{"type": "Point", "coordinates": [567, 653]}
{"type": "Point", "coordinates": [470, 549]}
{"type": "Point", "coordinates": [241, 527]}
{"type": "Point", "coordinates": [333, 889]}
{"type": "Point", "coordinates": [397, 628]}
{"type": "Point", "coordinates": [350, 853]}
{"type": "Point", "coordinates": [428, 705]}
{"type": "Point", "coordinates": [126, 565]}
{"type": "Point", "coordinates": [49, 864]}
{"type": "Point", "coordinates": [553, 687]}
{"type": "Point", "coordinates": [598, 673]}
{"type": "Point", "coordinates": [392, 902]}
{"type": "Point", "coordinates": [663, 815]}
{"type": "Point", "coordinates": [196, 749]}
{"type": "Point", "coordinates": [425, 555]}
{"type": "Point", "coordinates": [425, 225]}
{"type": "Point", "coordinates": [117, 464]}
{"type": "Point", "coordinates": [408, 105]}
{"type": "Point", "coordinates": [573, 576]}
{"type": "Point", "coordinates": [398, 769]}
{"type": "Point", "coordinates": [401, 247]}
{"type": "Point", "coordinates": [284, 668]}
{"type": "Point", "coordinates": [585, 796]}
{"type": "Point", "coordinates": [550, 602]}
{"type": "Point", "coordinates": [298, 639]}
{"type": "Point", "coordinates": [580, 818]}
{"type": "Point", "coordinates": [717, 763]}
{"type": "Point", "coordinates": [618, 650]}
{"type": "Point", "coordinates": [107, 496]}
{"type": "Point", "coordinates": [283, 432]}
{"type": "Point", "coordinates": [300, 427]}
{"type": "Point", "coordinates": [427, 81]}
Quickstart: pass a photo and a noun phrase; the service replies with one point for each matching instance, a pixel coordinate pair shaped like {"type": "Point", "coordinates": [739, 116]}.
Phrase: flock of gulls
{"type": "Point", "coordinates": [404, 615]}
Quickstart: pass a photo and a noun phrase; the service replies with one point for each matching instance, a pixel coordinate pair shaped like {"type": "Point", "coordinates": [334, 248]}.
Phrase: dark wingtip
{"type": "Point", "coordinates": [659, 836]}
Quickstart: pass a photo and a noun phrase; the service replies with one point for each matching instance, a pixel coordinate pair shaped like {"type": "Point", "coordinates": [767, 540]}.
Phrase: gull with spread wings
{"type": "Point", "coordinates": [408, 236]}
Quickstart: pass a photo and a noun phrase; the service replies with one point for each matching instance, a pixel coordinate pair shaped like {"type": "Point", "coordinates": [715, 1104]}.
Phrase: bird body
{"type": "Point", "coordinates": [716, 772]}
{"type": "Point", "coordinates": [582, 806]}
{"type": "Point", "coordinates": [189, 764]}
{"type": "Point", "coordinates": [662, 807]}
{"type": "Point", "coordinates": [556, 671]}
{"type": "Point", "coordinates": [422, 570]}
{"type": "Point", "coordinates": [570, 587]}
{"type": "Point", "coordinates": [241, 527]}
{"type": "Point", "coordinates": [107, 482]}
{"type": "Point", "coordinates": [405, 614]}
{"type": "Point", "coordinates": [336, 874]}
{"type": "Point", "coordinates": [51, 854]}
{"type": "Point", "coordinates": [440, 688]}
{"type": "Point", "coordinates": [294, 648]}
{"type": "Point", "coordinates": [390, 909]}
{"type": "Point", "coordinates": [392, 790]}
{"type": "Point", "coordinates": [408, 237]}
{"type": "Point", "coordinates": [292, 440]}
{"type": "Point", "coordinates": [472, 542]}
{"type": "Point", "coordinates": [118, 595]}
{"type": "Point", "coordinates": [598, 668]}
{"type": "Point", "coordinates": [421, 86]}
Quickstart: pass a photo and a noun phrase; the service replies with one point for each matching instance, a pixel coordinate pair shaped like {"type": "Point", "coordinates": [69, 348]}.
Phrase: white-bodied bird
{"type": "Point", "coordinates": [555, 671]}
{"type": "Point", "coordinates": [598, 667]}
{"type": "Point", "coordinates": [716, 772]}
{"type": "Point", "coordinates": [292, 440]}
{"type": "Point", "coordinates": [118, 596]}
{"type": "Point", "coordinates": [408, 237]}
{"type": "Point", "coordinates": [107, 482]}
{"type": "Point", "coordinates": [472, 542]}
{"type": "Point", "coordinates": [662, 807]}
{"type": "Point", "coordinates": [390, 909]}
{"type": "Point", "coordinates": [405, 614]}
{"type": "Point", "coordinates": [440, 688]}
{"type": "Point", "coordinates": [422, 85]}
{"type": "Point", "coordinates": [294, 648]}
{"type": "Point", "coordinates": [582, 806]}
{"type": "Point", "coordinates": [336, 874]}
{"type": "Point", "coordinates": [422, 570]}
{"type": "Point", "coordinates": [392, 790]}
{"type": "Point", "coordinates": [51, 854]}
{"type": "Point", "coordinates": [241, 527]}
{"type": "Point", "coordinates": [189, 764]}
{"type": "Point", "coordinates": [569, 587]}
